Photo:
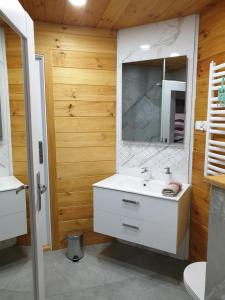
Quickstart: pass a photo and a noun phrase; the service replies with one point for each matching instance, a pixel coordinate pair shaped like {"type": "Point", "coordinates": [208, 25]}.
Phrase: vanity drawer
{"type": "Point", "coordinates": [11, 203]}
{"type": "Point", "coordinates": [136, 206]}
{"type": "Point", "coordinates": [14, 225]}
{"type": "Point", "coordinates": [151, 234]}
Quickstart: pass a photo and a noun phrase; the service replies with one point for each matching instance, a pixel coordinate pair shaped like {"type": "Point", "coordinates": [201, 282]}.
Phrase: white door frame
{"type": "Point", "coordinates": [41, 58]}
{"type": "Point", "coordinates": [16, 17]}
{"type": "Point", "coordinates": [167, 87]}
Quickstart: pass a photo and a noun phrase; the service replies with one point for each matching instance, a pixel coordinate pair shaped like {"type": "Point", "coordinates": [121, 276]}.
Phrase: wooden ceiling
{"type": "Point", "coordinates": [115, 14]}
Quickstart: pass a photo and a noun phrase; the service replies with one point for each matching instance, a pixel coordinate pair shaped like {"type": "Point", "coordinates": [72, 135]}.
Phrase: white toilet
{"type": "Point", "coordinates": [194, 280]}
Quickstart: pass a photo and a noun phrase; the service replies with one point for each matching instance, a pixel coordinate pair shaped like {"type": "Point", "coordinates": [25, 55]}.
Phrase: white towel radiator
{"type": "Point", "coordinates": [215, 135]}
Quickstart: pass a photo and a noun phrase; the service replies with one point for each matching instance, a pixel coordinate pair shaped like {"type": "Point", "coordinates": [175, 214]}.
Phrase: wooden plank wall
{"type": "Point", "coordinates": [17, 114]}
{"type": "Point", "coordinates": [211, 47]}
{"type": "Point", "coordinates": [80, 73]}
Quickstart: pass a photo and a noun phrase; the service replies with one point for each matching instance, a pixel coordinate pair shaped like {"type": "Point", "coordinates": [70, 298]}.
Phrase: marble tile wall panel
{"type": "Point", "coordinates": [165, 39]}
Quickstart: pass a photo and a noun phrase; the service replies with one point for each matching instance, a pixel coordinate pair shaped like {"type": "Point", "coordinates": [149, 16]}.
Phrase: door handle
{"type": "Point", "coordinates": [41, 189]}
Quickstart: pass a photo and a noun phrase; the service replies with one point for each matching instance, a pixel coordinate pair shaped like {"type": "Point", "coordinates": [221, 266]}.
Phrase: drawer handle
{"type": "Point", "coordinates": [130, 201]}
{"type": "Point", "coordinates": [21, 188]}
{"type": "Point", "coordinates": [130, 226]}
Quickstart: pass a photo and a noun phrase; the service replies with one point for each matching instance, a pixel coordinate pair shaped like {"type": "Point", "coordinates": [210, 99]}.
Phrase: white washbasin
{"type": "Point", "coordinates": [136, 185]}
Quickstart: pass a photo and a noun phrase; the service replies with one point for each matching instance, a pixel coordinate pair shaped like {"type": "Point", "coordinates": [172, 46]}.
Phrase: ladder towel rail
{"type": "Point", "coordinates": [215, 146]}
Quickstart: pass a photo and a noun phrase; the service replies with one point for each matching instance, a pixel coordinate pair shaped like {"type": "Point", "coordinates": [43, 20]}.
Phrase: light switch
{"type": "Point", "coordinates": [201, 125]}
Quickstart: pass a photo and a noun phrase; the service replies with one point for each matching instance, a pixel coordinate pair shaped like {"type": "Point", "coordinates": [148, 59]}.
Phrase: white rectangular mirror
{"type": "Point", "coordinates": [154, 100]}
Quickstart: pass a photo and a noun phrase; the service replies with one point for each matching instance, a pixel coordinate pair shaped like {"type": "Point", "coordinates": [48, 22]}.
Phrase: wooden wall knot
{"type": "Point", "coordinates": [110, 113]}
{"type": "Point", "coordinates": [70, 108]}
{"type": "Point", "coordinates": [205, 34]}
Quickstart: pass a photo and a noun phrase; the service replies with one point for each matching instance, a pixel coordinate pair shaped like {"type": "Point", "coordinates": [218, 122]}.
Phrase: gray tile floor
{"type": "Point", "coordinates": [107, 272]}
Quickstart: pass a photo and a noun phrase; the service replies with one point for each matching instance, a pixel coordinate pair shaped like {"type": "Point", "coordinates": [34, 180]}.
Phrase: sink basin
{"type": "Point", "coordinates": [136, 185]}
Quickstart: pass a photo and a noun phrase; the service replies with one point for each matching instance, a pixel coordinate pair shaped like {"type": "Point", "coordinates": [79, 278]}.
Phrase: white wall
{"type": "Point", "coordinates": [177, 36]}
{"type": "Point", "coordinates": [5, 144]}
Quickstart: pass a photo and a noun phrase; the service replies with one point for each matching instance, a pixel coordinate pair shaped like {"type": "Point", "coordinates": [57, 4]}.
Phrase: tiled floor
{"type": "Point", "coordinates": [107, 272]}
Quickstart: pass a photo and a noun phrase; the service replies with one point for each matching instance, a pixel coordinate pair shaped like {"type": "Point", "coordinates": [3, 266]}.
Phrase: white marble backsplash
{"type": "Point", "coordinates": [156, 157]}
{"type": "Point", "coordinates": [5, 143]}
{"type": "Point", "coordinates": [165, 39]}
{"type": "Point", "coordinates": [5, 164]}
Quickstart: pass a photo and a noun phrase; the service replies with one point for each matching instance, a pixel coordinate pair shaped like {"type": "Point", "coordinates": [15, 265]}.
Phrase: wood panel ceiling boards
{"type": "Point", "coordinates": [115, 14]}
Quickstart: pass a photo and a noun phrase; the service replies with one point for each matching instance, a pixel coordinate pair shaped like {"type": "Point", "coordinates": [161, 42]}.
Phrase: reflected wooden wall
{"type": "Point", "coordinates": [17, 114]}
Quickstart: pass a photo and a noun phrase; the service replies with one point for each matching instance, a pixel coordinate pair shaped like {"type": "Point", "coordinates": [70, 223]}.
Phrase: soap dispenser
{"type": "Point", "coordinates": [168, 175]}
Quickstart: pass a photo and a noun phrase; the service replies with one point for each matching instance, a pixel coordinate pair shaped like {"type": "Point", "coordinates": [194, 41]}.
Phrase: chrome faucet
{"type": "Point", "coordinates": [146, 172]}
{"type": "Point", "coordinates": [168, 171]}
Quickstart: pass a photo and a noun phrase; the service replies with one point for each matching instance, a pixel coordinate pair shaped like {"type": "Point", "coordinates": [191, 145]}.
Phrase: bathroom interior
{"type": "Point", "coordinates": [112, 150]}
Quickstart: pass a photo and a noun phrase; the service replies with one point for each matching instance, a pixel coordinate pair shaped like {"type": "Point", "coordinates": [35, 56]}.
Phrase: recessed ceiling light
{"type": "Point", "coordinates": [78, 2]}
{"type": "Point", "coordinates": [145, 47]}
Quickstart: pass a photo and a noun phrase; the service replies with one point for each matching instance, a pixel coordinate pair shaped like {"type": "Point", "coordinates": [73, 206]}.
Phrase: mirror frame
{"type": "Point", "coordinates": [164, 71]}
{"type": "Point", "coordinates": [17, 18]}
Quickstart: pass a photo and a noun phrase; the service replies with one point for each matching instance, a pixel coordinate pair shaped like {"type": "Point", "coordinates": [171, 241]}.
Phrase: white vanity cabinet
{"type": "Point", "coordinates": [13, 220]}
{"type": "Point", "coordinates": [155, 222]}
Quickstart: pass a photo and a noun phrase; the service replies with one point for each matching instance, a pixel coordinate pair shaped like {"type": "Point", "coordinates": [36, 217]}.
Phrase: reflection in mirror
{"type": "Point", "coordinates": [179, 116]}
{"type": "Point", "coordinates": [15, 259]}
{"type": "Point", "coordinates": [153, 100]}
{"type": "Point", "coordinates": [141, 101]}
{"type": "Point", "coordinates": [1, 129]}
